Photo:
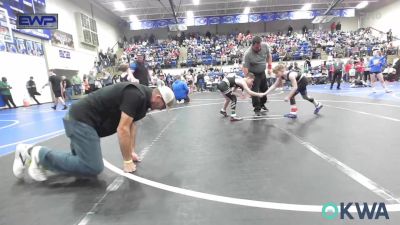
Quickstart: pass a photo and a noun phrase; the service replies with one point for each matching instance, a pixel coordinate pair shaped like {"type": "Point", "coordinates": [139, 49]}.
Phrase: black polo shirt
{"type": "Point", "coordinates": [55, 82]}
{"type": "Point", "coordinates": [142, 74]}
{"type": "Point", "coordinates": [102, 109]}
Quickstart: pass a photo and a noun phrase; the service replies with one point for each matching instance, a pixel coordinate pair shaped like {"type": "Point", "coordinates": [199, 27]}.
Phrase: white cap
{"type": "Point", "coordinates": [167, 95]}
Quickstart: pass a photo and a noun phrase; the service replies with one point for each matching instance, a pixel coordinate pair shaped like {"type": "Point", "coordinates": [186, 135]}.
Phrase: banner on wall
{"type": "Point", "coordinates": [236, 19]}
{"type": "Point", "coordinates": [5, 27]}
{"type": "Point", "coordinates": [22, 46]}
{"type": "Point", "coordinates": [64, 54]}
{"type": "Point", "coordinates": [62, 39]}
{"type": "Point", "coordinates": [14, 7]}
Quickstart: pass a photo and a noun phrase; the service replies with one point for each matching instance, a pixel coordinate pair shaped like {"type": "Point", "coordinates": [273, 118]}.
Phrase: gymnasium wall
{"type": "Point", "coordinates": [82, 57]}
{"type": "Point", "coordinates": [18, 67]}
{"type": "Point", "coordinates": [383, 18]}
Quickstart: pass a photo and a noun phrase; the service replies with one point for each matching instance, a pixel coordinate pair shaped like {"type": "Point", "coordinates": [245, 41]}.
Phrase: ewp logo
{"type": "Point", "coordinates": [331, 211]}
{"type": "Point", "coordinates": [37, 21]}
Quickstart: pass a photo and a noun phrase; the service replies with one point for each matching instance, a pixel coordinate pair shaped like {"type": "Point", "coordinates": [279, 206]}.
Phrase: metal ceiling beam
{"type": "Point", "coordinates": [173, 10]}
{"type": "Point", "coordinates": [333, 5]}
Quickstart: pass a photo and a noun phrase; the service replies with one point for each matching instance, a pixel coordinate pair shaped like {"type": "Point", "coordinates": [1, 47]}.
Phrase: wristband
{"type": "Point", "coordinates": [269, 66]}
{"type": "Point", "coordinates": [128, 162]}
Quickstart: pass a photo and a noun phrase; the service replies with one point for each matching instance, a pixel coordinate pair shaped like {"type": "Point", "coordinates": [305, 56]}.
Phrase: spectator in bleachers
{"type": "Point", "coordinates": [347, 68]}
{"type": "Point", "coordinates": [127, 75]}
{"type": "Point", "coordinates": [91, 81]}
{"type": "Point", "coordinates": [181, 90]}
{"type": "Point", "coordinates": [290, 30]}
{"type": "Point", "coordinates": [338, 26]}
{"type": "Point", "coordinates": [360, 68]}
{"type": "Point", "coordinates": [396, 66]}
{"type": "Point", "coordinates": [305, 30]}
{"type": "Point", "coordinates": [67, 88]}
{"type": "Point", "coordinates": [337, 73]}
{"type": "Point", "coordinates": [169, 80]}
{"type": "Point", "coordinates": [333, 27]}
{"type": "Point", "coordinates": [76, 84]}
{"type": "Point", "coordinates": [141, 72]}
{"type": "Point", "coordinates": [389, 36]}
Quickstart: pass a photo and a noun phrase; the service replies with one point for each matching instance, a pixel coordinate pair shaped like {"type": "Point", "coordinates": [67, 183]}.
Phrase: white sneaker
{"type": "Point", "coordinates": [35, 170]}
{"type": "Point", "coordinates": [21, 160]}
{"type": "Point", "coordinates": [373, 90]}
{"type": "Point", "coordinates": [388, 91]}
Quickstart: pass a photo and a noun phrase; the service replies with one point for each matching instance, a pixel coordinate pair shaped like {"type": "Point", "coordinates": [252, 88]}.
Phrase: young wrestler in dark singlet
{"type": "Point", "coordinates": [299, 85]}
{"type": "Point", "coordinates": [229, 85]}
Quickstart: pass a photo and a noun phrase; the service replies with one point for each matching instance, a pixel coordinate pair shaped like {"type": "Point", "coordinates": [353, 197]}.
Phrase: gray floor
{"type": "Point", "coordinates": [201, 151]}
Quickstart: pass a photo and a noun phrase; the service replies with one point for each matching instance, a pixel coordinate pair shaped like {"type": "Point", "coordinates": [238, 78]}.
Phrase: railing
{"type": "Point", "coordinates": [382, 32]}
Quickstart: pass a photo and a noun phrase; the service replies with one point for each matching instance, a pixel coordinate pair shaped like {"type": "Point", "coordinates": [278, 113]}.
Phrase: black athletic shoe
{"type": "Point", "coordinates": [257, 112]}
{"type": "Point", "coordinates": [65, 107]}
{"type": "Point", "coordinates": [223, 113]}
{"type": "Point", "coordinates": [338, 88]}
{"type": "Point", "coordinates": [53, 107]}
{"type": "Point", "coordinates": [264, 108]}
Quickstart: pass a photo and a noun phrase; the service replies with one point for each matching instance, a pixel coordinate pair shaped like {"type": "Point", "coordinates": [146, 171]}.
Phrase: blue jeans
{"type": "Point", "coordinates": [68, 94]}
{"type": "Point", "coordinates": [85, 157]}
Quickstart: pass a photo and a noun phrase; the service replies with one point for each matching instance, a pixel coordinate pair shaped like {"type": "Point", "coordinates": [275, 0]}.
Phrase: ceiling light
{"type": "Point", "coordinates": [196, 2]}
{"type": "Point", "coordinates": [362, 5]}
{"type": "Point", "coordinates": [252, 0]}
{"type": "Point", "coordinates": [306, 7]}
{"type": "Point", "coordinates": [119, 6]}
{"type": "Point", "coordinates": [246, 10]}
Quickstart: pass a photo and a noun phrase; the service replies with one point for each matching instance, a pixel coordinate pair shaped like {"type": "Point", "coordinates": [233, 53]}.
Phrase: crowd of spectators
{"type": "Point", "coordinates": [192, 50]}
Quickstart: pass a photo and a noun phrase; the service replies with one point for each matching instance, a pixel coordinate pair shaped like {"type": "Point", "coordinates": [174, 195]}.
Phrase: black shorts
{"type": "Point", "coordinates": [375, 74]}
{"type": "Point", "coordinates": [223, 87]}
{"type": "Point", "coordinates": [302, 86]}
{"type": "Point", "coordinates": [57, 93]}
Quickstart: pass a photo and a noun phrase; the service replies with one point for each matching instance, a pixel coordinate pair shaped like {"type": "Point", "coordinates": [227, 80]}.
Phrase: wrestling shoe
{"type": "Point", "coordinates": [235, 118]}
{"type": "Point", "coordinates": [318, 107]}
{"type": "Point", "coordinates": [290, 115]}
{"type": "Point", "coordinates": [223, 113]}
{"type": "Point", "coordinates": [21, 160]}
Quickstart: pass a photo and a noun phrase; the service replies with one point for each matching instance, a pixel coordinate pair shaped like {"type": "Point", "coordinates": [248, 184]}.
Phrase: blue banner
{"type": "Point", "coordinates": [241, 18]}
{"type": "Point", "coordinates": [200, 21]}
{"type": "Point", "coordinates": [255, 18]}
{"type": "Point", "coordinates": [162, 23]}
{"type": "Point", "coordinates": [250, 18]}
{"type": "Point", "coordinates": [214, 20]}
{"type": "Point", "coordinates": [227, 19]}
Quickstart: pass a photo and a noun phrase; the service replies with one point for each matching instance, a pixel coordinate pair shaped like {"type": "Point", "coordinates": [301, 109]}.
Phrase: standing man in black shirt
{"type": "Point", "coordinates": [112, 109]}
{"type": "Point", "coordinates": [56, 86]}
{"type": "Point", "coordinates": [141, 72]}
{"type": "Point", "coordinates": [31, 87]}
